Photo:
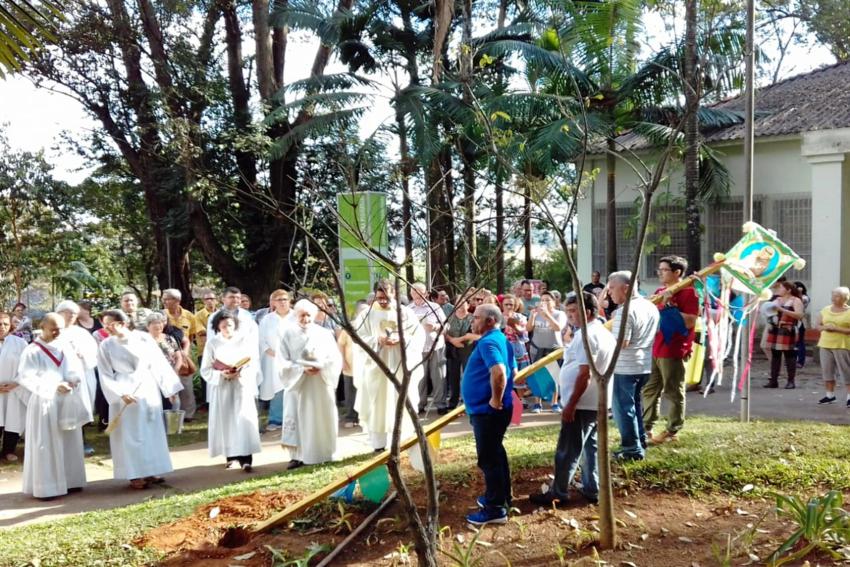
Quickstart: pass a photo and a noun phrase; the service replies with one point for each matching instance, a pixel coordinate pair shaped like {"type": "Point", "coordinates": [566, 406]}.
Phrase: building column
{"type": "Point", "coordinates": [584, 233]}
{"type": "Point", "coordinates": [830, 248]}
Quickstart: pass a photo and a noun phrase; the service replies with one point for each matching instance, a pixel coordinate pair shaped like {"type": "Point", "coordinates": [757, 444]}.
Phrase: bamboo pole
{"type": "Point", "coordinates": [382, 458]}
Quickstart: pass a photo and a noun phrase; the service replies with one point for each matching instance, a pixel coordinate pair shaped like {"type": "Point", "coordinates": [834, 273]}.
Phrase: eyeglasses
{"type": "Point", "coordinates": [662, 270]}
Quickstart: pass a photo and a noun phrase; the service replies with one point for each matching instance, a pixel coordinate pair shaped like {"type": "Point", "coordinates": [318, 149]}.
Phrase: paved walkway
{"type": "Point", "coordinates": [194, 470]}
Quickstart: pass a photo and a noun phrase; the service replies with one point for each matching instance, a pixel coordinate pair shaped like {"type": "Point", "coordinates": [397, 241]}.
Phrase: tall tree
{"type": "Point", "coordinates": [690, 79]}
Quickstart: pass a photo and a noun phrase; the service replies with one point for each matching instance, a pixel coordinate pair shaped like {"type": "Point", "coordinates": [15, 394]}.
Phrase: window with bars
{"type": "Point", "coordinates": [669, 222]}
{"type": "Point", "coordinates": [792, 219]}
{"type": "Point", "coordinates": [625, 246]}
{"type": "Point", "coordinates": [723, 223]}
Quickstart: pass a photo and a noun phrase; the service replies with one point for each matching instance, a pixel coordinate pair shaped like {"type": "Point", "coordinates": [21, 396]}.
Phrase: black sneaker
{"type": "Point", "coordinates": [827, 400]}
{"type": "Point", "coordinates": [546, 499]}
{"type": "Point", "coordinates": [848, 403]}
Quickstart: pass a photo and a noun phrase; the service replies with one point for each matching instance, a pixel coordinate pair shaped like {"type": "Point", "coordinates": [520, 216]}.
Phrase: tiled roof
{"type": "Point", "coordinates": [818, 100]}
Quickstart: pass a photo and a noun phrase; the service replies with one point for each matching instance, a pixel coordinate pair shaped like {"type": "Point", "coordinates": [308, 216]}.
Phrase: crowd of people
{"type": "Point", "coordinates": [123, 368]}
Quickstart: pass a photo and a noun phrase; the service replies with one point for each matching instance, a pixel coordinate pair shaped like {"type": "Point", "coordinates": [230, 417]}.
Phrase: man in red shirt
{"type": "Point", "coordinates": [672, 347]}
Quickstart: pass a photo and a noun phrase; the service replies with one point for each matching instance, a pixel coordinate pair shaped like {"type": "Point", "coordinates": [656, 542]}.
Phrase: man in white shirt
{"type": "Point", "coordinates": [580, 396]}
{"type": "Point", "coordinates": [634, 364]}
{"type": "Point", "coordinates": [433, 320]}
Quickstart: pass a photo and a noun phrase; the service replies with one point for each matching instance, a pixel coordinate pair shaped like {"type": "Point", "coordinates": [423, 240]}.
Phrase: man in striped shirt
{"type": "Point", "coordinates": [634, 364]}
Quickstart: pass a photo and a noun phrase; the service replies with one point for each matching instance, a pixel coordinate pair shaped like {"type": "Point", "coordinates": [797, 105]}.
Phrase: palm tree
{"type": "Point", "coordinates": [24, 27]}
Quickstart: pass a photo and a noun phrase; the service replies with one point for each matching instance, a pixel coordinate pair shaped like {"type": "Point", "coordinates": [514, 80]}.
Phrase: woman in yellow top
{"type": "Point", "coordinates": [833, 322]}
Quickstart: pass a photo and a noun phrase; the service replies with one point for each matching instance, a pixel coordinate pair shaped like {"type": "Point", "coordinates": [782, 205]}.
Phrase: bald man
{"type": "Point", "coordinates": [53, 456]}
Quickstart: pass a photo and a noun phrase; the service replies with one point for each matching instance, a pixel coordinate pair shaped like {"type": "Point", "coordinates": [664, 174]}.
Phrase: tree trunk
{"type": "Point", "coordinates": [447, 213]}
{"type": "Point", "coordinates": [611, 234]}
{"type": "Point", "coordinates": [406, 167]}
{"type": "Point", "coordinates": [470, 262]}
{"type": "Point", "coordinates": [607, 524]}
{"type": "Point", "coordinates": [500, 237]}
{"type": "Point", "coordinates": [691, 130]}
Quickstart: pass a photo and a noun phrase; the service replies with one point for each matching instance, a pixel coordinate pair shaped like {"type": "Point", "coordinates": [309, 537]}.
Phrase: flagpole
{"type": "Point", "coordinates": [749, 138]}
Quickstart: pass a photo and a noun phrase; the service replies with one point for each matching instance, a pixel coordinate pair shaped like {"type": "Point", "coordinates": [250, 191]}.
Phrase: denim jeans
{"type": "Point", "coordinates": [489, 430]}
{"type": "Point", "coordinates": [628, 412]}
{"type": "Point", "coordinates": [276, 409]}
{"type": "Point", "coordinates": [577, 444]}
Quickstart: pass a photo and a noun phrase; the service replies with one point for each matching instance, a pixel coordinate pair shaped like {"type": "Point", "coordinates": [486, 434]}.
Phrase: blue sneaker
{"type": "Point", "coordinates": [481, 502]}
{"type": "Point", "coordinates": [88, 450]}
{"type": "Point", "coordinates": [492, 515]}
{"type": "Point", "coordinates": [536, 408]}
{"type": "Point", "coordinates": [556, 408]}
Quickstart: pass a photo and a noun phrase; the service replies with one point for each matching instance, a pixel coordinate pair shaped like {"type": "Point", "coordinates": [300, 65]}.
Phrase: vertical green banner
{"type": "Point", "coordinates": [362, 227]}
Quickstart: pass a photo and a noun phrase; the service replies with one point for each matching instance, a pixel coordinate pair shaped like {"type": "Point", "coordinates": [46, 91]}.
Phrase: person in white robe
{"type": "Point", "coordinates": [272, 327]}
{"type": "Point", "coordinates": [310, 373]}
{"type": "Point", "coordinates": [376, 398]}
{"type": "Point", "coordinates": [232, 389]}
{"type": "Point", "coordinates": [231, 299]}
{"type": "Point", "coordinates": [56, 411]}
{"type": "Point", "coordinates": [13, 407]}
{"type": "Point", "coordinates": [134, 376]}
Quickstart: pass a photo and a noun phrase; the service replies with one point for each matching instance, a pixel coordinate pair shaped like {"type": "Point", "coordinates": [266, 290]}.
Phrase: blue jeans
{"type": "Point", "coordinates": [628, 412]}
{"type": "Point", "coordinates": [276, 409]}
{"type": "Point", "coordinates": [489, 430]}
{"type": "Point", "coordinates": [577, 443]}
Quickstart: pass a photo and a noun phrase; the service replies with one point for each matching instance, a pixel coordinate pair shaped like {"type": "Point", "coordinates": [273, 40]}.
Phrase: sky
{"type": "Point", "coordinates": [35, 117]}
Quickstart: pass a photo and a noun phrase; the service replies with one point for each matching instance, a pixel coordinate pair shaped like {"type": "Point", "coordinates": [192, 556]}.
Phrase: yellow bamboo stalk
{"type": "Point", "coordinates": [382, 458]}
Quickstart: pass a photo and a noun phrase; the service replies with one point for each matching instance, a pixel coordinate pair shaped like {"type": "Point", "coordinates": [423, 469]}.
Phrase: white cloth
{"type": "Point", "coordinates": [602, 345]}
{"type": "Point", "coordinates": [310, 431]}
{"type": "Point", "coordinates": [83, 344]}
{"type": "Point", "coordinates": [636, 358]}
{"type": "Point", "coordinates": [376, 395]}
{"type": "Point", "coordinates": [247, 327]}
{"type": "Point", "coordinates": [136, 366]}
{"type": "Point", "coordinates": [234, 429]}
{"type": "Point", "coordinates": [13, 405]}
{"type": "Point", "coordinates": [53, 458]}
{"type": "Point", "coordinates": [272, 328]}
{"type": "Point", "coordinates": [430, 313]}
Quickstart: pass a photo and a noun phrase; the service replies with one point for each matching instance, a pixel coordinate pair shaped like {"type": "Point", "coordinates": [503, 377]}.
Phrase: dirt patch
{"type": "Point", "coordinates": [655, 529]}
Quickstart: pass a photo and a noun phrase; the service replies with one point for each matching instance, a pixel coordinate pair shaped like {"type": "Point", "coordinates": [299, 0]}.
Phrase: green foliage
{"type": "Point", "coordinates": [282, 559]}
{"type": "Point", "coordinates": [820, 524]}
{"type": "Point", "coordinates": [463, 555]}
{"type": "Point", "coordinates": [24, 28]}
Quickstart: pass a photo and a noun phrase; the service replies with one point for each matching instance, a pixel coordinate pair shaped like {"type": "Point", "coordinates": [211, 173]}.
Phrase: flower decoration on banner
{"type": "Point", "coordinates": [758, 260]}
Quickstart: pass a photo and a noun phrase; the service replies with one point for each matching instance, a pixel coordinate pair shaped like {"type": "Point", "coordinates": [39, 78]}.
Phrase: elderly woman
{"type": "Point", "coordinates": [833, 322]}
{"type": "Point", "coordinates": [13, 409]}
{"type": "Point", "coordinates": [311, 366]}
{"type": "Point", "coordinates": [134, 376]}
{"type": "Point", "coordinates": [21, 322]}
{"type": "Point", "coordinates": [782, 333]}
{"type": "Point", "coordinates": [233, 423]}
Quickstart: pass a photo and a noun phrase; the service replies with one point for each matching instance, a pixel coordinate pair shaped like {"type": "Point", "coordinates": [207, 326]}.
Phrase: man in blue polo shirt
{"type": "Point", "coordinates": [487, 384]}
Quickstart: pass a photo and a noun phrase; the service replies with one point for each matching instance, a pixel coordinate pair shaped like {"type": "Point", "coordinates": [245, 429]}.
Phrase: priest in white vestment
{"type": "Point", "coordinates": [272, 327]}
{"type": "Point", "coordinates": [311, 367]}
{"type": "Point", "coordinates": [53, 454]}
{"type": "Point", "coordinates": [230, 369]}
{"type": "Point", "coordinates": [134, 374]}
{"type": "Point", "coordinates": [13, 407]}
{"type": "Point", "coordinates": [376, 398]}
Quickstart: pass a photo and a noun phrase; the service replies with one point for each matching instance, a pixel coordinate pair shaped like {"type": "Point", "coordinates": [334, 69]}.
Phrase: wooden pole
{"type": "Point", "coordinates": [321, 494]}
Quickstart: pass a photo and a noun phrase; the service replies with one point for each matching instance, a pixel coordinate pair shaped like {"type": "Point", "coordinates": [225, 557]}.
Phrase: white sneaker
{"type": "Point", "coordinates": [272, 427]}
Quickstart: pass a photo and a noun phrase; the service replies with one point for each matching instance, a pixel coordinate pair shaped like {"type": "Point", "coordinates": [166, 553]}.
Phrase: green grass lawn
{"type": "Point", "coordinates": [713, 455]}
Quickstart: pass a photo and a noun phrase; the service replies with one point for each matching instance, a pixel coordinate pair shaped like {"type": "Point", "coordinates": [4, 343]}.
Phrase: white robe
{"type": "Point", "coordinates": [376, 396]}
{"type": "Point", "coordinates": [81, 342]}
{"type": "Point", "coordinates": [247, 327]}
{"type": "Point", "coordinates": [53, 457]}
{"type": "Point", "coordinates": [135, 366]}
{"type": "Point", "coordinates": [233, 425]}
{"type": "Point", "coordinates": [13, 405]}
{"type": "Point", "coordinates": [272, 328]}
{"type": "Point", "coordinates": [310, 431]}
